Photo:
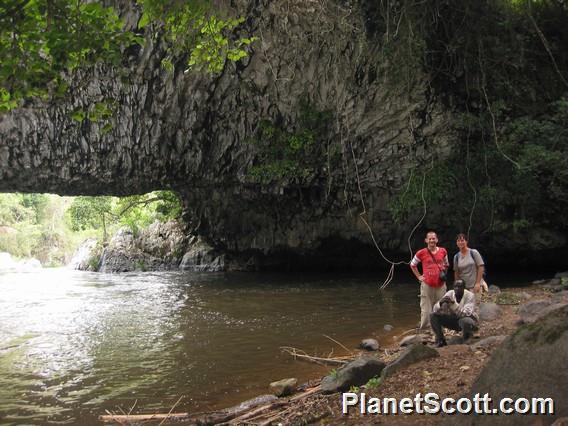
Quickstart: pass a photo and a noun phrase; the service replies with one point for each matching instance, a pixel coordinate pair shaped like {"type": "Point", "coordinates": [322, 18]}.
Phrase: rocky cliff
{"type": "Point", "coordinates": [196, 134]}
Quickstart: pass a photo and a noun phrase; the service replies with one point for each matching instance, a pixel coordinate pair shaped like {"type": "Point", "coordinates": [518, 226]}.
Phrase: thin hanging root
{"type": "Point", "coordinates": [470, 184]}
{"type": "Point", "coordinates": [493, 121]}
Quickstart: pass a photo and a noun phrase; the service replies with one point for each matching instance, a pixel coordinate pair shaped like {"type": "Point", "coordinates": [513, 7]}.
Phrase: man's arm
{"type": "Point", "coordinates": [414, 266]}
{"type": "Point", "coordinates": [445, 298]}
{"type": "Point", "coordinates": [468, 308]}
{"type": "Point", "coordinates": [480, 268]}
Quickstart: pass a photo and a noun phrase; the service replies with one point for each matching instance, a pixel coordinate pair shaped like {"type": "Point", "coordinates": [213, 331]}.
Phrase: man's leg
{"type": "Point", "coordinates": [436, 323]}
{"type": "Point", "coordinates": [425, 306]}
{"type": "Point", "coordinates": [468, 326]}
{"type": "Point", "coordinates": [439, 293]}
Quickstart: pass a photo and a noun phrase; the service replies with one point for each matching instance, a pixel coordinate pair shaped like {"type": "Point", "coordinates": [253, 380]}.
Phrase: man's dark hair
{"type": "Point", "coordinates": [459, 283]}
{"type": "Point", "coordinates": [461, 236]}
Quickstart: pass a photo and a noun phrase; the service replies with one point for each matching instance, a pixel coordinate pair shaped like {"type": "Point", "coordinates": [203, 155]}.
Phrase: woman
{"type": "Point", "coordinates": [468, 266]}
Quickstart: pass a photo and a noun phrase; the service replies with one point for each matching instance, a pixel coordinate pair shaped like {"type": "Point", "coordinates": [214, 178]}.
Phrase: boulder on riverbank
{"type": "Point", "coordinates": [283, 387]}
{"type": "Point", "coordinates": [530, 363]}
{"type": "Point", "coordinates": [535, 309]}
{"type": "Point", "coordinates": [411, 355]}
{"type": "Point", "coordinates": [369, 344]}
{"type": "Point", "coordinates": [355, 373]}
{"type": "Point", "coordinates": [489, 311]}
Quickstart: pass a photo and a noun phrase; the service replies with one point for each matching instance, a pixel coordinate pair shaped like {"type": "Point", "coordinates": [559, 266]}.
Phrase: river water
{"type": "Point", "coordinates": [74, 344]}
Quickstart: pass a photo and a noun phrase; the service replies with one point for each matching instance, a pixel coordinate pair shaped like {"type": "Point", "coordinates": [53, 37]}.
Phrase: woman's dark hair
{"type": "Point", "coordinates": [461, 237]}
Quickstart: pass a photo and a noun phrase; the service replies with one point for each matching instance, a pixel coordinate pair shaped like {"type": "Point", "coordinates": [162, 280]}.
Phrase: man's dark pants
{"type": "Point", "coordinates": [467, 325]}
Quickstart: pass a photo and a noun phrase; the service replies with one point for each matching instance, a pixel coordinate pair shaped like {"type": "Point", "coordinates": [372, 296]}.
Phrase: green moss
{"type": "Point", "coordinates": [507, 298]}
{"type": "Point", "coordinates": [546, 330]}
{"type": "Point", "coordinates": [298, 153]}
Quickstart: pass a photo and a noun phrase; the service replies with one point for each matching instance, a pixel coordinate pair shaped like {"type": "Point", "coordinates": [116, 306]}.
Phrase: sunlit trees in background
{"type": "Point", "coordinates": [49, 227]}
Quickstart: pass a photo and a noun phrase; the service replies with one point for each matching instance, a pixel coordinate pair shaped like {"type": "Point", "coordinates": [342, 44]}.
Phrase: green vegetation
{"type": "Point", "coordinates": [508, 298]}
{"type": "Point", "coordinates": [50, 228]}
{"type": "Point", "coordinates": [42, 40]}
{"type": "Point", "coordinates": [501, 66]}
{"type": "Point", "coordinates": [373, 383]}
{"type": "Point", "coordinates": [298, 154]}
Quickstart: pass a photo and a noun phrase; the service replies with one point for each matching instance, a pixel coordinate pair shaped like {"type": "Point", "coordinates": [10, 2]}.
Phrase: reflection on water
{"type": "Point", "coordinates": [74, 344]}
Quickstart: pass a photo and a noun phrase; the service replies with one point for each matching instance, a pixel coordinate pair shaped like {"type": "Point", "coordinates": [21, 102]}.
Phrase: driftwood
{"type": "Point", "coordinates": [266, 409]}
{"type": "Point", "coordinates": [136, 418]}
{"type": "Point", "coordinates": [299, 354]}
{"type": "Point", "coordinates": [211, 418]}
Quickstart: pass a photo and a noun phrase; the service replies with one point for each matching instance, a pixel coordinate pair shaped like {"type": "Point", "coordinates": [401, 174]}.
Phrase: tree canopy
{"type": "Point", "coordinates": [42, 40]}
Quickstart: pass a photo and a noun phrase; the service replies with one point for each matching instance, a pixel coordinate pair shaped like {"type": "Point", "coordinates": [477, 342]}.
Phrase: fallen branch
{"type": "Point", "coordinates": [135, 418]}
{"type": "Point", "coordinates": [339, 343]}
{"type": "Point", "coordinates": [299, 354]}
{"type": "Point", "coordinates": [255, 412]}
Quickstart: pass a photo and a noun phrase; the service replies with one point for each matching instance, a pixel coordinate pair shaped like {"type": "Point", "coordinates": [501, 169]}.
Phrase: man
{"type": "Point", "coordinates": [434, 260]}
{"type": "Point", "coordinates": [456, 310]}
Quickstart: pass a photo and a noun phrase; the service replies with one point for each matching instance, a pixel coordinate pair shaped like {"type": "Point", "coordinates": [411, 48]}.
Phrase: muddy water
{"type": "Point", "coordinates": [74, 344]}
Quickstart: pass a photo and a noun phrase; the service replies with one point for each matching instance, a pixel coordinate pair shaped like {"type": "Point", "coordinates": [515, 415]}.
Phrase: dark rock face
{"type": "Point", "coordinates": [202, 257]}
{"type": "Point", "coordinates": [355, 373]}
{"type": "Point", "coordinates": [191, 132]}
{"type": "Point", "coordinates": [530, 363]}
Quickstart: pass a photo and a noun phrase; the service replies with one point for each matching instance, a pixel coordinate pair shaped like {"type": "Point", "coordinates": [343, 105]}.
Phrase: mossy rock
{"type": "Point", "coordinates": [530, 363]}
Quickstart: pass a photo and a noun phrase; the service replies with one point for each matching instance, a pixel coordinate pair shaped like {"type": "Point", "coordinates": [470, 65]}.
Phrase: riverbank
{"type": "Point", "coordinates": [451, 374]}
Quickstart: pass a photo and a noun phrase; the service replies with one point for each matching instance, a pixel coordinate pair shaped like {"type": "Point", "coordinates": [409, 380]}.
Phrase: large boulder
{"type": "Point", "coordinates": [533, 310]}
{"type": "Point", "coordinates": [156, 248]}
{"type": "Point", "coordinates": [120, 254]}
{"type": "Point", "coordinates": [412, 339]}
{"type": "Point", "coordinates": [487, 342]}
{"type": "Point", "coordinates": [530, 363]}
{"type": "Point", "coordinates": [411, 355]}
{"type": "Point", "coordinates": [489, 311]}
{"type": "Point", "coordinates": [354, 373]}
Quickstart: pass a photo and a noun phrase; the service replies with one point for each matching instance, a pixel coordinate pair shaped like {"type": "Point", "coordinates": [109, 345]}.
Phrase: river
{"type": "Point", "coordinates": [74, 344]}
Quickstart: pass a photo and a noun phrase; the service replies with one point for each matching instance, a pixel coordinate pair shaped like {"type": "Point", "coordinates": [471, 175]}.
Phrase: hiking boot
{"type": "Point", "coordinates": [440, 343]}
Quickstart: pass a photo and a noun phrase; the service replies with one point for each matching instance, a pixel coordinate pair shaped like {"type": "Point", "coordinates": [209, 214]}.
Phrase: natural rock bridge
{"type": "Point", "coordinates": [191, 132]}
